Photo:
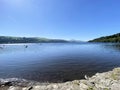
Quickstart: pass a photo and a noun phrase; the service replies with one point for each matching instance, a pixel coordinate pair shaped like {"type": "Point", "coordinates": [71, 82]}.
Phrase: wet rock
{"type": "Point", "coordinates": [8, 83]}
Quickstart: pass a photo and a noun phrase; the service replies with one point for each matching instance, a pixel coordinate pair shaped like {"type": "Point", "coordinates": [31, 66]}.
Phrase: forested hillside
{"type": "Point", "coordinates": [8, 39]}
{"type": "Point", "coordinates": [111, 38]}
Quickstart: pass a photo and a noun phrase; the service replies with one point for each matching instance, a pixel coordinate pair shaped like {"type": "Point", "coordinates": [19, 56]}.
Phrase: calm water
{"type": "Point", "coordinates": [56, 62]}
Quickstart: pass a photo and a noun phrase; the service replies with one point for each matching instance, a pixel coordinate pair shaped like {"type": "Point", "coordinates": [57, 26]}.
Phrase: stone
{"type": "Point", "coordinates": [14, 88]}
{"type": "Point", "coordinates": [83, 86]}
{"type": "Point", "coordinates": [115, 86]}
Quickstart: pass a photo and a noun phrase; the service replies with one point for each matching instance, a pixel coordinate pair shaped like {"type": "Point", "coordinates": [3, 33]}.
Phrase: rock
{"type": "Point", "coordinates": [4, 88]}
{"type": "Point", "coordinates": [14, 88]}
{"type": "Point", "coordinates": [24, 88]}
{"type": "Point", "coordinates": [55, 86]}
{"type": "Point", "coordinates": [30, 88]}
{"type": "Point", "coordinates": [37, 87]}
{"type": "Point", "coordinates": [83, 86]}
{"type": "Point", "coordinates": [76, 82]}
{"type": "Point", "coordinates": [8, 83]}
{"type": "Point", "coordinates": [115, 86]}
{"type": "Point", "coordinates": [86, 77]}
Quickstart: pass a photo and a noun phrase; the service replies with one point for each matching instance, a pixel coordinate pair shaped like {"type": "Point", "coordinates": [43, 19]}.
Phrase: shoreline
{"type": "Point", "coordinates": [100, 81]}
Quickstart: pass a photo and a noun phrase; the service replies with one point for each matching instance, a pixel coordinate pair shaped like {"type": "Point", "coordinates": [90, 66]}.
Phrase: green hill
{"type": "Point", "coordinates": [9, 39]}
{"type": "Point", "coordinates": [111, 38]}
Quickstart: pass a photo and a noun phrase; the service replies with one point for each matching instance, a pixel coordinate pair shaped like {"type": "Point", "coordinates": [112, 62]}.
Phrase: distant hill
{"type": "Point", "coordinates": [111, 38]}
{"type": "Point", "coordinates": [9, 39]}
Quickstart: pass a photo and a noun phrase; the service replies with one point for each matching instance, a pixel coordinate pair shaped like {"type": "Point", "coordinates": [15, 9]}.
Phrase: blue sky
{"type": "Point", "coordinates": [65, 19]}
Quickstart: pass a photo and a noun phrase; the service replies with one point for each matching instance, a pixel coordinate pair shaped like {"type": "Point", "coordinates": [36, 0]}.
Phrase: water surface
{"type": "Point", "coordinates": [57, 62]}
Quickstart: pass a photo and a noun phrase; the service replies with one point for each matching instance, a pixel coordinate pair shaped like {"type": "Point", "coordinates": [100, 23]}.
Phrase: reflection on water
{"type": "Point", "coordinates": [114, 46]}
{"type": "Point", "coordinates": [56, 62]}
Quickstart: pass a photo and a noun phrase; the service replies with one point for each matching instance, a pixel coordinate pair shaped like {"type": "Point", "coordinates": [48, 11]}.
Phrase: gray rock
{"type": "Point", "coordinates": [14, 88]}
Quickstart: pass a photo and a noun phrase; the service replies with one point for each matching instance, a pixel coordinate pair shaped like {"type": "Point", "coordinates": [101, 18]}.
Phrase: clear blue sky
{"type": "Point", "coordinates": [65, 19]}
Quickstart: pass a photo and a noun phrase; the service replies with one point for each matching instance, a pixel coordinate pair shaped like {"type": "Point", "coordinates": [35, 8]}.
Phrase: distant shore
{"type": "Point", "coordinates": [101, 81]}
{"type": "Point", "coordinates": [11, 39]}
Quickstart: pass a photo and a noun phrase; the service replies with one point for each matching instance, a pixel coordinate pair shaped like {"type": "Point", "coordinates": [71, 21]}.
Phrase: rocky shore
{"type": "Point", "coordinates": [101, 81]}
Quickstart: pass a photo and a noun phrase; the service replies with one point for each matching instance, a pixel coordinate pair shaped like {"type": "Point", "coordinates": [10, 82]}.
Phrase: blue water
{"type": "Point", "coordinates": [57, 62]}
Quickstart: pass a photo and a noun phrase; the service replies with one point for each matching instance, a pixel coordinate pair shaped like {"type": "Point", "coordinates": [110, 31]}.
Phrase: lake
{"type": "Point", "coordinates": [57, 62]}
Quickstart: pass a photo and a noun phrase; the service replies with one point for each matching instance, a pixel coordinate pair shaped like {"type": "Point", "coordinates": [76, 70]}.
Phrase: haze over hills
{"type": "Point", "coordinates": [10, 39]}
{"type": "Point", "coordinates": [111, 38]}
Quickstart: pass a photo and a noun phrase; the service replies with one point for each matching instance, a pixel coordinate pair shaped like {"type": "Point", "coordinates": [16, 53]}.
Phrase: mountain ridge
{"type": "Point", "coordinates": [12, 39]}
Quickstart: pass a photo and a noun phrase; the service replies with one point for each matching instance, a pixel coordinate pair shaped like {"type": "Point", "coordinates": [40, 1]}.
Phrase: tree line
{"type": "Point", "coordinates": [9, 39]}
{"type": "Point", "coordinates": [112, 38]}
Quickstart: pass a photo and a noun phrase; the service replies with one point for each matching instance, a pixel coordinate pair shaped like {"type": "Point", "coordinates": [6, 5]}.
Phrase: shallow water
{"type": "Point", "coordinates": [57, 62]}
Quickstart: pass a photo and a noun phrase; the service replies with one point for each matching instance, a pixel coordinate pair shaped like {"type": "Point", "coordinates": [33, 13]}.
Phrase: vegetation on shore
{"type": "Point", "coordinates": [112, 38]}
{"type": "Point", "coordinates": [9, 39]}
